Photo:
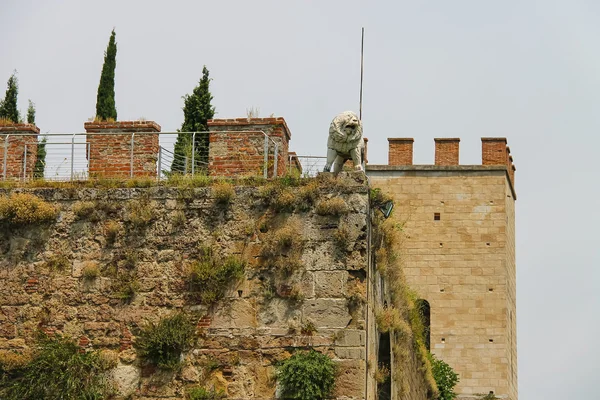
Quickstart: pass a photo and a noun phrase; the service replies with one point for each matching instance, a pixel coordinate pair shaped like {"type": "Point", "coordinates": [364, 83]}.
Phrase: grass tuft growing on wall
{"type": "Point", "coordinates": [20, 209]}
{"type": "Point", "coordinates": [210, 277]}
{"type": "Point", "coordinates": [282, 248]}
{"type": "Point", "coordinates": [200, 393]}
{"type": "Point", "coordinates": [334, 206]}
{"type": "Point", "coordinates": [162, 343]}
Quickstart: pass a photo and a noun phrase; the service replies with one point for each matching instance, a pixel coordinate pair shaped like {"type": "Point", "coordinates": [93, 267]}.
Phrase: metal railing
{"type": "Point", "coordinates": [68, 155]}
{"type": "Point", "coordinates": [311, 165]}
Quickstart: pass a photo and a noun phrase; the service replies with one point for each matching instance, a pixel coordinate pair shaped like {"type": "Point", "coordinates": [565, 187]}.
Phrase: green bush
{"type": "Point", "coordinates": [210, 277]}
{"type": "Point", "coordinates": [445, 378]}
{"type": "Point", "coordinates": [58, 370]}
{"type": "Point", "coordinates": [23, 208]}
{"type": "Point", "coordinates": [307, 375]}
{"type": "Point", "coordinates": [162, 343]}
{"type": "Point", "coordinates": [199, 393]}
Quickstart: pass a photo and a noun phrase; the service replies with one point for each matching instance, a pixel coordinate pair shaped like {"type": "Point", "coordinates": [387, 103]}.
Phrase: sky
{"type": "Point", "coordinates": [526, 70]}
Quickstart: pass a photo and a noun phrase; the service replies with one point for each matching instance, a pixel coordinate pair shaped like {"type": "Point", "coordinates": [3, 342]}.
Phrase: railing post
{"type": "Point", "coordinates": [266, 161]}
{"type": "Point", "coordinates": [131, 162]}
{"type": "Point", "coordinates": [25, 163]}
{"type": "Point", "coordinates": [5, 156]}
{"type": "Point", "coordinates": [88, 148]}
{"type": "Point", "coordinates": [72, 154]}
{"type": "Point", "coordinates": [275, 160]}
{"type": "Point", "coordinates": [193, 152]}
{"type": "Point", "coordinates": [159, 163]}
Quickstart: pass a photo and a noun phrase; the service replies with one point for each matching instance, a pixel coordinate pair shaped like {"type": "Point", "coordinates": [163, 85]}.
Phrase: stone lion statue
{"type": "Point", "coordinates": [345, 142]}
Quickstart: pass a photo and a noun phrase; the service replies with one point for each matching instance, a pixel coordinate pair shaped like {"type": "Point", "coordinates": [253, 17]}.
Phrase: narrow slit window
{"type": "Point", "coordinates": [436, 216]}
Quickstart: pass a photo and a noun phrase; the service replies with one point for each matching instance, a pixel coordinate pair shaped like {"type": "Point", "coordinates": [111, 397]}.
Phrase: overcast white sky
{"type": "Point", "coordinates": [527, 70]}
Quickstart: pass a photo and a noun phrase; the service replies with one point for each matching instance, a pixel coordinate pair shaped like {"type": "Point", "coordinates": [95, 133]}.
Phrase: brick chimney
{"type": "Point", "coordinates": [110, 148]}
{"type": "Point", "coordinates": [446, 151]}
{"type": "Point", "coordinates": [400, 151]}
{"type": "Point", "coordinates": [20, 141]}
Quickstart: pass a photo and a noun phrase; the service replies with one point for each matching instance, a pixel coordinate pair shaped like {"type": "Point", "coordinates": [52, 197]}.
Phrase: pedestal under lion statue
{"type": "Point", "coordinates": [345, 142]}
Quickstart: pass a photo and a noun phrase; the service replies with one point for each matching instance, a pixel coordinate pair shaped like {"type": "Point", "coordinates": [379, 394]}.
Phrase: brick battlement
{"type": "Point", "coordinates": [21, 140]}
{"type": "Point", "coordinates": [237, 146]}
{"type": "Point", "coordinates": [494, 152]}
{"type": "Point", "coordinates": [110, 152]}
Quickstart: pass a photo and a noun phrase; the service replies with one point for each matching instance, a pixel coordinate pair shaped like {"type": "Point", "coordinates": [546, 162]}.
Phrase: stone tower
{"type": "Point", "coordinates": [459, 254]}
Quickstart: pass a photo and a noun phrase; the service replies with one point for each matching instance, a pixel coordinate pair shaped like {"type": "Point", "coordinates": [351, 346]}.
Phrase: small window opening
{"type": "Point", "coordinates": [491, 340]}
{"type": "Point", "coordinates": [443, 340]}
{"type": "Point", "coordinates": [487, 244]}
{"type": "Point", "coordinates": [491, 289]}
{"type": "Point", "coordinates": [442, 290]}
{"type": "Point", "coordinates": [436, 216]}
{"type": "Point", "coordinates": [441, 244]}
{"type": "Point", "coordinates": [240, 292]}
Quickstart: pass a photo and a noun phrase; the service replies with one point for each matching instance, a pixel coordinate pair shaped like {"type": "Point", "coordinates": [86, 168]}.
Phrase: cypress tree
{"type": "Point", "coordinates": [105, 101]}
{"type": "Point", "coordinates": [8, 106]}
{"type": "Point", "coordinates": [31, 113]}
{"type": "Point", "coordinates": [197, 110]}
{"type": "Point", "coordinates": [40, 161]}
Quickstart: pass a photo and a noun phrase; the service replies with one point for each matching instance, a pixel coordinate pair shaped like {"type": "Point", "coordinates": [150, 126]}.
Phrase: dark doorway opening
{"type": "Point", "coordinates": [384, 363]}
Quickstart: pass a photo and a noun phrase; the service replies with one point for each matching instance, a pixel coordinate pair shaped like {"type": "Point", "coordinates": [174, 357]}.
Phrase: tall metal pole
{"type": "Point", "coordinates": [362, 47]}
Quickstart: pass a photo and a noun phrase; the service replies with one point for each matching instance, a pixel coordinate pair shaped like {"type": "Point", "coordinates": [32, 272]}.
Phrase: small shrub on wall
{"type": "Point", "coordinates": [23, 208]}
{"type": "Point", "coordinates": [162, 343]}
{"type": "Point", "coordinates": [210, 277]}
{"type": "Point", "coordinates": [57, 370]}
{"type": "Point", "coordinates": [307, 375]}
{"type": "Point", "coordinates": [445, 378]}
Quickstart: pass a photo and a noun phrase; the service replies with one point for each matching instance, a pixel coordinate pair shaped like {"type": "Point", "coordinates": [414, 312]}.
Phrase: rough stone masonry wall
{"type": "Point", "coordinates": [256, 325]}
{"type": "Point", "coordinates": [15, 155]}
{"type": "Point", "coordinates": [463, 264]}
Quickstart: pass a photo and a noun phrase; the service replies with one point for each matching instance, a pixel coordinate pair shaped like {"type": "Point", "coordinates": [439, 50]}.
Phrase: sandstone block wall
{"type": "Point", "coordinates": [17, 167]}
{"type": "Point", "coordinates": [260, 322]}
{"type": "Point", "coordinates": [237, 146]}
{"type": "Point", "coordinates": [110, 153]}
{"type": "Point", "coordinates": [459, 256]}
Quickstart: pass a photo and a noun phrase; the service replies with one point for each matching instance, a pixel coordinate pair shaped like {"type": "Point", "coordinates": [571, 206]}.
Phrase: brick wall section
{"type": "Point", "coordinates": [400, 151]}
{"type": "Point", "coordinates": [494, 151]}
{"type": "Point", "coordinates": [16, 150]}
{"type": "Point", "coordinates": [110, 153]}
{"type": "Point", "coordinates": [237, 146]}
{"type": "Point", "coordinates": [446, 151]}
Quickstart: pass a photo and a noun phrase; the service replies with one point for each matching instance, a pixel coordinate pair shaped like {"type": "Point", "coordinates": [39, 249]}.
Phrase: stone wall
{"type": "Point", "coordinates": [21, 150]}
{"type": "Point", "coordinates": [459, 256]}
{"type": "Point", "coordinates": [260, 322]}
